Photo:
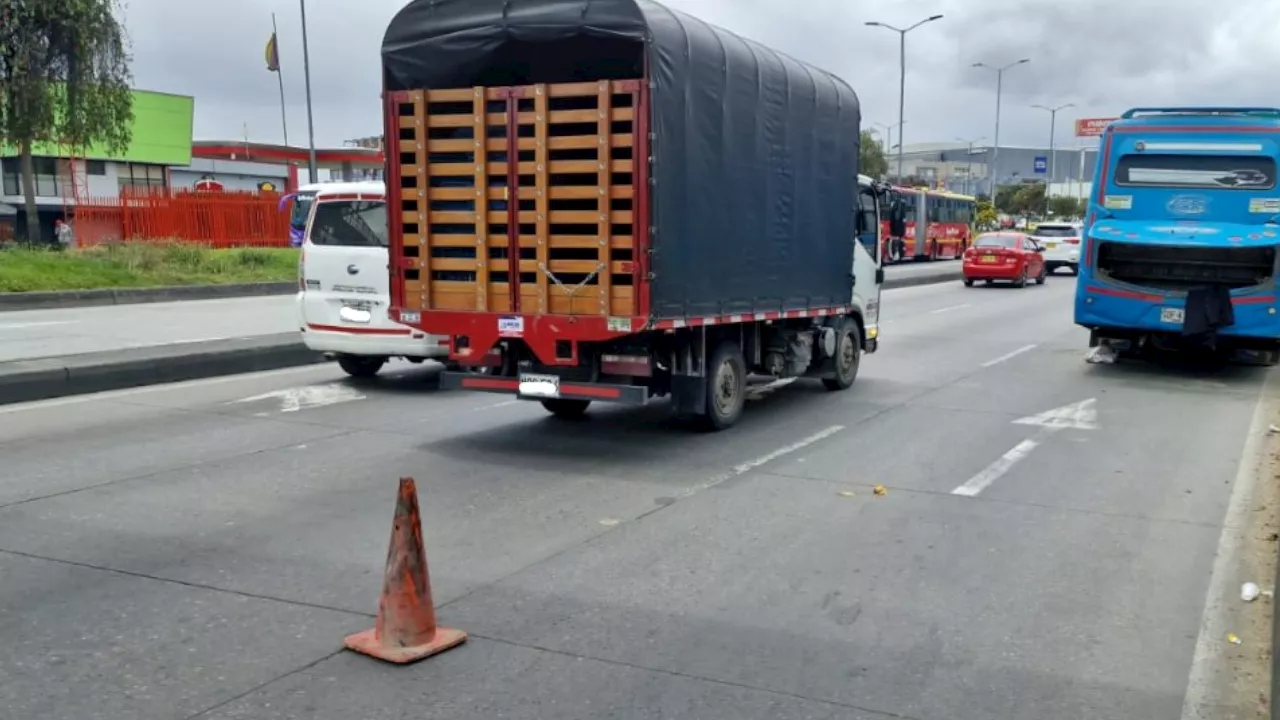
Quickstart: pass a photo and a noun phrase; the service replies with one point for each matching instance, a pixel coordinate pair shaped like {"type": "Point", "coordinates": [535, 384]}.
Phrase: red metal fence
{"type": "Point", "coordinates": [222, 220]}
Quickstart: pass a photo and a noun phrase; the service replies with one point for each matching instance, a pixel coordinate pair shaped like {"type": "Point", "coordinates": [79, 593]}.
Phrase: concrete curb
{"type": "Point", "coordinates": [131, 296]}
{"type": "Point", "coordinates": [46, 378]}
{"type": "Point", "coordinates": [916, 280]}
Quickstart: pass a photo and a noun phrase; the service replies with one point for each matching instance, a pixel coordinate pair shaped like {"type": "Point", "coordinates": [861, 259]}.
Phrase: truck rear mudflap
{"type": "Point", "coordinates": [545, 387]}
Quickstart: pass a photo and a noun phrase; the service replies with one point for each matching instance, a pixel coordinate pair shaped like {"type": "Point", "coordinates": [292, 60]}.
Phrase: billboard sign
{"type": "Point", "coordinates": [1041, 164]}
{"type": "Point", "coordinates": [1092, 127]}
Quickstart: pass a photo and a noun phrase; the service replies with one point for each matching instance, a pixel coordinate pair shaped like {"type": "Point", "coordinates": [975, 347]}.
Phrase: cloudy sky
{"type": "Point", "coordinates": [1146, 52]}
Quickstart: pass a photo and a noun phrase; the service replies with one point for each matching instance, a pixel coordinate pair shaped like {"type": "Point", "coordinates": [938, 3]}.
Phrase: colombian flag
{"type": "Point", "coordinates": [273, 55]}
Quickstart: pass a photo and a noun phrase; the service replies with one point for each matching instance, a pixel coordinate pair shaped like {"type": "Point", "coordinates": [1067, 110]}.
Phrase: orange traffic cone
{"type": "Point", "coordinates": [406, 629]}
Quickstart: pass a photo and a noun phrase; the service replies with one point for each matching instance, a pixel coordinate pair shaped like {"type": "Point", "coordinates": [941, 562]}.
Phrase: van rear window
{"type": "Point", "coordinates": [350, 223]}
{"type": "Point", "coordinates": [1239, 172]}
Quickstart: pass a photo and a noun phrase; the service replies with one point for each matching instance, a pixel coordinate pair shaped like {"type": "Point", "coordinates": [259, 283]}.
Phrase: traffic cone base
{"type": "Point", "coordinates": [367, 643]}
{"type": "Point", "coordinates": [406, 628]}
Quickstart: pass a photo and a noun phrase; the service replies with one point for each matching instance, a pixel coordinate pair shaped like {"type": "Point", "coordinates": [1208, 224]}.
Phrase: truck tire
{"type": "Point", "coordinates": [566, 409]}
{"type": "Point", "coordinates": [848, 357]}
{"type": "Point", "coordinates": [726, 387]}
{"type": "Point", "coordinates": [361, 366]}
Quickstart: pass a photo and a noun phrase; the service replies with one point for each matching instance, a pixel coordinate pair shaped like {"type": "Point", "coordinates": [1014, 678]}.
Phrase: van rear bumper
{"type": "Point", "coordinates": [385, 342]}
{"type": "Point", "coordinates": [622, 394]}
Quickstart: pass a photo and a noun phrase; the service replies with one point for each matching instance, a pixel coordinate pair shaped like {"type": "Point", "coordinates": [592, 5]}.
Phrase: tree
{"type": "Point", "coordinates": [987, 218]}
{"type": "Point", "coordinates": [871, 156]}
{"type": "Point", "coordinates": [1065, 207]}
{"type": "Point", "coordinates": [64, 79]}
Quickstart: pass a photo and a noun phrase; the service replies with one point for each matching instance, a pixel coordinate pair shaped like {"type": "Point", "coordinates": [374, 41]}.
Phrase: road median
{"type": "Point", "coordinates": [46, 378]}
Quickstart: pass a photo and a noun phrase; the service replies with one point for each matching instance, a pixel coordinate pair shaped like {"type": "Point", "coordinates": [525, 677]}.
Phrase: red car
{"type": "Point", "coordinates": [1005, 255]}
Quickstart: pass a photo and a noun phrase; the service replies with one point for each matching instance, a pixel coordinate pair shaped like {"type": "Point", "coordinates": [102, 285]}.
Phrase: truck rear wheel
{"type": "Point", "coordinates": [566, 409]}
{"type": "Point", "coordinates": [726, 387]}
{"type": "Point", "coordinates": [848, 357]}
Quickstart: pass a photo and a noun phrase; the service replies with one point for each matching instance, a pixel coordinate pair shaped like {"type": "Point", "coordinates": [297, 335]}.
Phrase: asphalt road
{"type": "Point", "coordinates": [31, 334]}
{"type": "Point", "coordinates": [201, 550]}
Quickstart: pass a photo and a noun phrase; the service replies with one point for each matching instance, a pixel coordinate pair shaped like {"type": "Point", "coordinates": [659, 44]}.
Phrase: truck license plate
{"type": "Point", "coordinates": [1172, 315]}
{"type": "Point", "coordinates": [539, 386]}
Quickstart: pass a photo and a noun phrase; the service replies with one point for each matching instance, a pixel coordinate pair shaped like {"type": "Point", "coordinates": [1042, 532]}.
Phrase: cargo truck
{"type": "Point", "coordinates": [608, 200]}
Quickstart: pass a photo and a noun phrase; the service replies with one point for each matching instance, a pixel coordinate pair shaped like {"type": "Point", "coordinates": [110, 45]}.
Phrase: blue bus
{"type": "Point", "coordinates": [301, 207]}
{"type": "Point", "coordinates": [1181, 235]}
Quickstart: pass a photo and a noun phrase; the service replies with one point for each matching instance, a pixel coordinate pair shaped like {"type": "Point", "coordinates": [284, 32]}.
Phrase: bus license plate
{"type": "Point", "coordinates": [1172, 315]}
{"type": "Point", "coordinates": [539, 386]}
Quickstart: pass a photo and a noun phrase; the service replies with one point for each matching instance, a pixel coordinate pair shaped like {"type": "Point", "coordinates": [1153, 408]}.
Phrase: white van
{"type": "Point", "coordinates": [344, 285]}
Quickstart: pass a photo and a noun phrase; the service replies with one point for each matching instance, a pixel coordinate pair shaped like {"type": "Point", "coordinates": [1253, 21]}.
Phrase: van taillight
{"type": "Point", "coordinates": [1073, 241]}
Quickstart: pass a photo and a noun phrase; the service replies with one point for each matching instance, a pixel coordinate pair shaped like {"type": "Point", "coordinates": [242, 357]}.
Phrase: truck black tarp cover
{"type": "Point", "coordinates": [755, 154]}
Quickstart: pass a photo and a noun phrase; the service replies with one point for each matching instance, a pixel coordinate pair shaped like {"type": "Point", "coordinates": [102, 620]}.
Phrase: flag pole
{"type": "Point", "coordinates": [306, 71]}
{"type": "Point", "coordinates": [275, 38]}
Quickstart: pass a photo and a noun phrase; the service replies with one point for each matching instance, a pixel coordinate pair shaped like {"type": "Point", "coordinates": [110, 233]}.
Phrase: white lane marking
{"type": "Point", "coordinates": [147, 389]}
{"type": "Point", "coordinates": [1009, 356]}
{"type": "Point", "coordinates": [949, 309]}
{"type": "Point", "coordinates": [24, 326]}
{"type": "Point", "coordinates": [759, 392]}
{"type": "Point", "coordinates": [312, 396]}
{"type": "Point", "coordinates": [1081, 415]}
{"type": "Point", "coordinates": [992, 472]}
{"type": "Point", "coordinates": [495, 406]}
{"type": "Point", "coordinates": [1201, 699]}
{"type": "Point", "coordinates": [750, 465]}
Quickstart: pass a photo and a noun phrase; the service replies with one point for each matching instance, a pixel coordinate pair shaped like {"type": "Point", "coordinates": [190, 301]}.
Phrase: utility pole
{"type": "Point", "coordinates": [306, 71]}
{"type": "Point", "coordinates": [995, 150]}
{"type": "Point", "coordinates": [902, 77]}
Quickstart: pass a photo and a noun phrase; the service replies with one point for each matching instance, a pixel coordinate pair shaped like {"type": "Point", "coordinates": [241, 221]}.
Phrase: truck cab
{"type": "Point", "coordinates": [1181, 236]}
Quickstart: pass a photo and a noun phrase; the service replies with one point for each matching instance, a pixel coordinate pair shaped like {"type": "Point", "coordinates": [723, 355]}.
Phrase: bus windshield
{"type": "Point", "coordinates": [301, 208]}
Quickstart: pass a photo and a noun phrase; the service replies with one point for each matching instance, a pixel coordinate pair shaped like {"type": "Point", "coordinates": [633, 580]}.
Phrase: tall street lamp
{"type": "Point", "coordinates": [968, 173]}
{"type": "Point", "coordinates": [306, 71]}
{"type": "Point", "coordinates": [995, 150]}
{"type": "Point", "coordinates": [902, 67]}
{"type": "Point", "coordinates": [887, 140]}
{"type": "Point", "coordinates": [1053, 117]}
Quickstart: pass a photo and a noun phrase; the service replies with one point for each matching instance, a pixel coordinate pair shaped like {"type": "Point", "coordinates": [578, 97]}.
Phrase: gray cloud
{"type": "Point", "coordinates": [1102, 55]}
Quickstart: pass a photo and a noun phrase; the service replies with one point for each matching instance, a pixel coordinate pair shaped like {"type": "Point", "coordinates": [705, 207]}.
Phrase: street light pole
{"type": "Point", "coordinates": [1053, 156]}
{"type": "Point", "coordinates": [995, 150]}
{"type": "Point", "coordinates": [902, 77]}
{"type": "Point", "coordinates": [968, 173]}
{"type": "Point", "coordinates": [1053, 117]}
{"type": "Point", "coordinates": [887, 140]}
{"type": "Point", "coordinates": [306, 71]}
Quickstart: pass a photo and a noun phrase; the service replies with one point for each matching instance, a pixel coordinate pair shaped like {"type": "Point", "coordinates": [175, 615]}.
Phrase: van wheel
{"type": "Point", "coordinates": [361, 366]}
{"type": "Point", "coordinates": [566, 409]}
{"type": "Point", "coordinates": [848, 356]}
{"type": "Point", "coordinates": [726, 387]}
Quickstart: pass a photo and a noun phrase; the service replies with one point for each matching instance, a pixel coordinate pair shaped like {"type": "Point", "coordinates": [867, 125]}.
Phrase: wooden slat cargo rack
{"type": "Point", "coordinates": [612, 200]}
{"type": "Point", "coordinates": [520, 199]}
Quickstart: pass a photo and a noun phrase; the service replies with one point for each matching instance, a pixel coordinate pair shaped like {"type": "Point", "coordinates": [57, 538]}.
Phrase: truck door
{"type": "Point", "coordinates": [867, 275]}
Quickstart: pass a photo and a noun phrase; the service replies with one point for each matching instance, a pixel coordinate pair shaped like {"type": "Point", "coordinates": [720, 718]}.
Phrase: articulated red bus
{"type": "Point", "coordinates": [947, 230]}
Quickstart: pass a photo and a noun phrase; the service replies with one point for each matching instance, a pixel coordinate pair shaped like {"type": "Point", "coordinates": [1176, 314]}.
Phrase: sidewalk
{"type": "Point", "coordinates": [30, 334]}
{"type": "Point", "coordinates": [53, 353]}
